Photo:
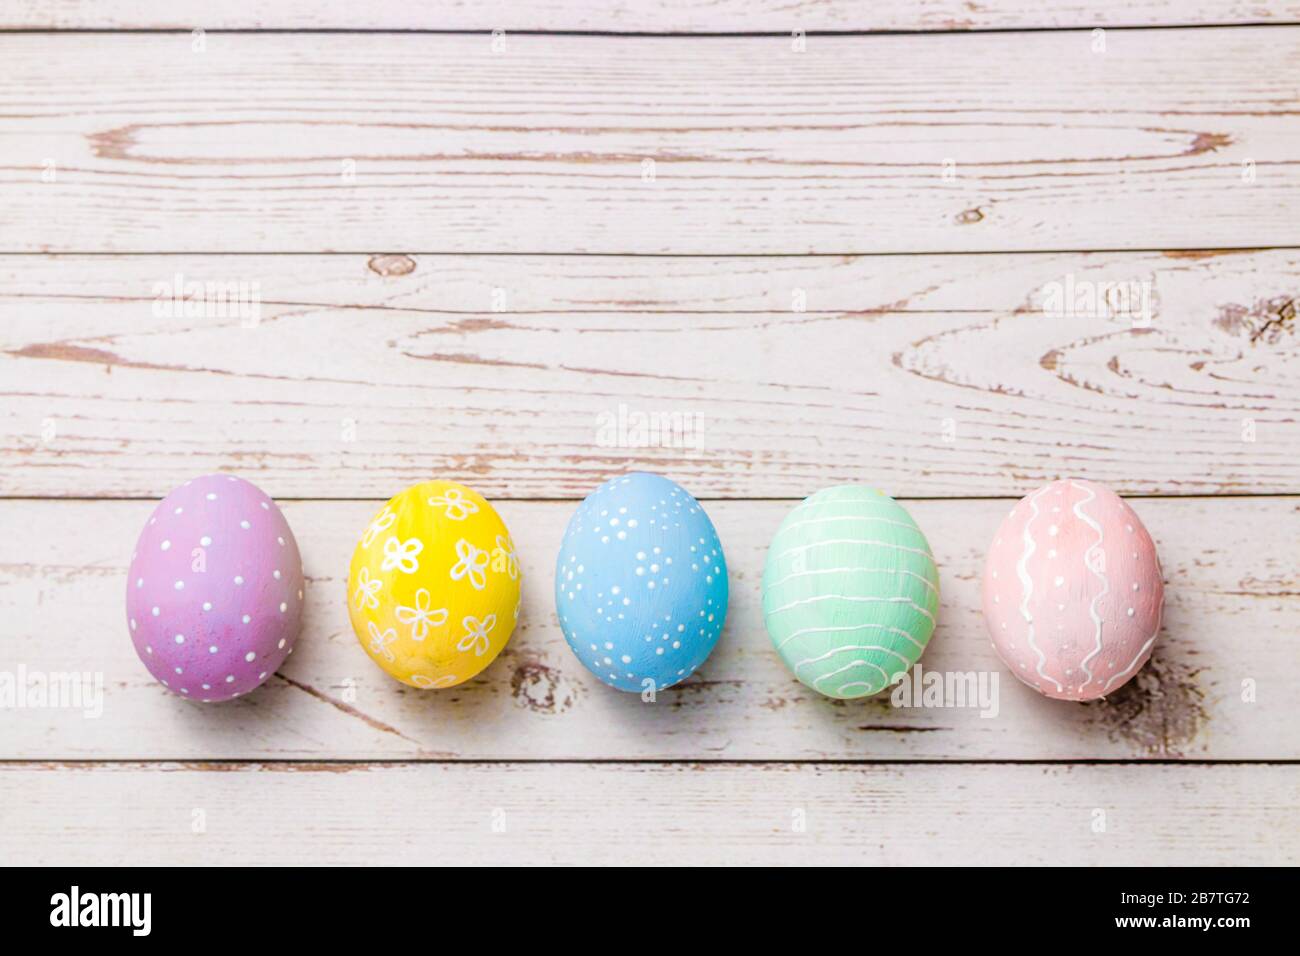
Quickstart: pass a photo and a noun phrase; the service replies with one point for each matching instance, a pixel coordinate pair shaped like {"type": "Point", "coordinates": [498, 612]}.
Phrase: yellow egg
{"type": "Point", "coordinates": [433, 589]}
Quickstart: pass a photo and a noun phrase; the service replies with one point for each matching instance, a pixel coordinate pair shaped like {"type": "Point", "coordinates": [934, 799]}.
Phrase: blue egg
{"type": "Point", "coordinates": [641, 583]}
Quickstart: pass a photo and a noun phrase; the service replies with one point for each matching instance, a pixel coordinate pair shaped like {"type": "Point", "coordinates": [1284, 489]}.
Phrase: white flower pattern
{"type": "Point", "coordinates": [367, 588]}
{"type": "Point", "coordinates": [476, 635]}
{"type": "Point", "coordinates": [503, 557]}
{"type": "Point", "coordinates": [458, 506]}
{"type": "Point", "coordinates": [420, 617]}
{"type": "Point", "coordinates": [402, 555]}
{"type": "Point", "coordinates": [379, 642]}
{"type": "Point", "coordinates": [383, 521]}
{"type": "Point", "coordinates": [472, 564]}
{"type": "Point", "coordinates": [400, 594]}
{"type": "Point", "coordinates": [430, 683]}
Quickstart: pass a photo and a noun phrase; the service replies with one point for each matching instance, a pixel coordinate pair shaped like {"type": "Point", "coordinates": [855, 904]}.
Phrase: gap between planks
{"type": "Point", "coordinates": [1166, 250]}
{"type": "Point", "coordinates": [312, 764]}
{"type": "Point", "coordinates": [703, 499]}
{"type": "Point", "coordinates": [627, 34]}
{"type": "Point", "coordinates": [645, 17]}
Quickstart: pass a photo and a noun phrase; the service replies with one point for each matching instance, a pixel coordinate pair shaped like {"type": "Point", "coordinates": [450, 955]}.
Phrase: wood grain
{"type": "Point", "coordinates": [409, 215]}
{"type": "Point", "coordinates": [1222, 684]}
{"type": "Point", "coordinates": [352, 815]}
{"type": "Point", "coordinates": [926, 375]}
{"type": "Point", "coordinates": [320, 143]}
{"type": "Point", "coordinates": [649, 16]}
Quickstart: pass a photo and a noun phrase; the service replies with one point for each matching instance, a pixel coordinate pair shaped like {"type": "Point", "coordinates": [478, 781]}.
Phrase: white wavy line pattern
{"type": "Point", "coordinates": [1138, 656]}
{"type": "Point", "coordinates": [1091, 566]}
{"type": "Point", "coordinates": [1027, 585]}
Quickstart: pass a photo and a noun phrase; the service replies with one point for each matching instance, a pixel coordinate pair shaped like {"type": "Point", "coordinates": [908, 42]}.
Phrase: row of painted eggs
{"type": "Point", "coordinates": [1073, 592]}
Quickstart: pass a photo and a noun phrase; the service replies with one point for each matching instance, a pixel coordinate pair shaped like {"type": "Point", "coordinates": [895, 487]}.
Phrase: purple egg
{"type": "Point", "coordinates": [215, 593]}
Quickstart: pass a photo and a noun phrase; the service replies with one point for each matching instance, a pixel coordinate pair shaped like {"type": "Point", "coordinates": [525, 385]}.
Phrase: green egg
{"type": "Point", "coordinates": [850, 591]}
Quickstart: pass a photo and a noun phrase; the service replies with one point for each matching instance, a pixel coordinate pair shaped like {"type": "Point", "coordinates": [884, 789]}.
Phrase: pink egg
{"type": "Point", "coordinates": [1073, 593]}
{"type": "Point", "coordinates": [215, 592]}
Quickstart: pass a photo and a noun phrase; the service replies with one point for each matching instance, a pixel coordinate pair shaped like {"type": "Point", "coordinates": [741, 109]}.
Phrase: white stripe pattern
{"type": "Point", "coordinates": [849, 666]}
{"type": "Point", "coordinates": [851, 627]}
{"type": "Point", "coordinates": [798, 574]}
{"type": "Point", "coordinates": [859, 600]}
{"type": "Point", "coordinates": [853, 647]}
{"type": "Point", "coordinates": [811, 503]}
{"type": "Point", "coordinates": [878, 520]}
{"type": "Point", "coordinates": [883, 544]}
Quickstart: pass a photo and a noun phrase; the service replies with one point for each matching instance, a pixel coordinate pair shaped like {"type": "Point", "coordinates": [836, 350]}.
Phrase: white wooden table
{"type": "Point", "coordinates": [831, 251]}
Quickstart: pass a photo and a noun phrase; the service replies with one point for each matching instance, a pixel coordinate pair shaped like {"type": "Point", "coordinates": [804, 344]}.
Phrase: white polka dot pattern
{"type": "Point", "coordinates": [641, 583]}
{"type": "Point", "coordinates": [215, 590]}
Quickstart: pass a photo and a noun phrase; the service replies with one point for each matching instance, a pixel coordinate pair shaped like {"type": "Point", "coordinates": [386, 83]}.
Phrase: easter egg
{"type": "Point", "coordinates": [434, 585]}
{"type": "Point", "coordinates": [1073, 593]}
{"type": "Point", "coordinates": [215, 591]}
{"type": "Point", "coordinates": [641, 583]}
{"type": "Point", "coordinates": [850, 591]}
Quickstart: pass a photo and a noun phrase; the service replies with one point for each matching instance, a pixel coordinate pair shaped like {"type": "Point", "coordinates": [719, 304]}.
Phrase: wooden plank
{"type": "Point", "coordinates": [641, 16]}
{"type": "Point", "coordinates": [926, 375]}
{"type": "Point", "coordinates": [340, 814]}
{"type": "Point", "coordinates": [933, 143]}
{"type": "Point", "coordinates": [1221, 685]}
